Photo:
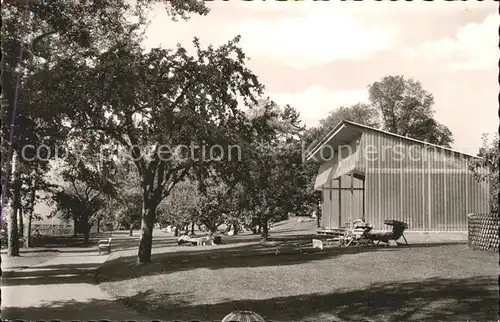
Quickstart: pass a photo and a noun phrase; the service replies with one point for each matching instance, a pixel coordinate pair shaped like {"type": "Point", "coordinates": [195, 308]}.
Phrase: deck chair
{"type": "Point", "coordinates": [398, 228]}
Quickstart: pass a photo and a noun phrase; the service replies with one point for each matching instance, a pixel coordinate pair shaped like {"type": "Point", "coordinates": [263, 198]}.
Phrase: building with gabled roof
{"type": "Point", "coordinates": [366, 173]}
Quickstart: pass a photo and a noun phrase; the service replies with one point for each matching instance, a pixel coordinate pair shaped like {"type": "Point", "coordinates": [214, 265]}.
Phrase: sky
{"type": "Point", "coordinates": [319, 55]}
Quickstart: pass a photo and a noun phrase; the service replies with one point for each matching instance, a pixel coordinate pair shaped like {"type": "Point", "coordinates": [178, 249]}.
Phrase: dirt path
{"type": "Point", "coordinates": [63, 288]}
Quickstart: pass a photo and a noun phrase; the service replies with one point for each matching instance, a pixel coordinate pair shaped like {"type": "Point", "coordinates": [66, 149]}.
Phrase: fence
{"type": "Point", "coordinates": [484, 231]}
{"type": "Point", "coordinates": [51, 230]}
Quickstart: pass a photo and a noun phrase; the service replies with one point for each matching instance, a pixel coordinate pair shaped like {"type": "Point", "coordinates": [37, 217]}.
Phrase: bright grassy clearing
{"type": "Point", "coordinates": [27, 258]}
{"type": "Point", "coordinates": [419, 282]}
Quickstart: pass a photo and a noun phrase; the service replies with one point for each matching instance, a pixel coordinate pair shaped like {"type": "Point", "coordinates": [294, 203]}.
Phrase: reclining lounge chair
{"type": "Point", "coordinates": [398, 228]}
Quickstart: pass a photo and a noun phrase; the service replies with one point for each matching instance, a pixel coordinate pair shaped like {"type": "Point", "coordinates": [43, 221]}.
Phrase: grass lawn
{"type": "Point", "coordinates": [28, 258]}
{"type": "Point", "coordinates": [416, 282]}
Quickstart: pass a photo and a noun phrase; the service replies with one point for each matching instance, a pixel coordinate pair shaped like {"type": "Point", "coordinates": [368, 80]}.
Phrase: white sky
{"type": "Point", "coordinates": [318, 55]}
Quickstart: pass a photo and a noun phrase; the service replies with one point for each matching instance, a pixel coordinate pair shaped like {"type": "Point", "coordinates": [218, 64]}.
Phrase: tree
{"type": "Point", "coordinates": [37, 35]}
{"type": "Point", "coordinates": [27, 27]}
{"type": "Point", "coordinates": [125, 203]}
{"type": "Point", "coordinates": [237, 215]}
{"type": "Point", "coordinates": [81, 196]}
{"type": "Point", "coordinates": [490, 160]}
{"type": "Point", "coordinates": [215, 204]}
{"type": "Point", "coordinates": [359, 113]}
{"type": "Point", "coordinates": [149, 103]}
{"type": "Point", "coordinates": [182, 207]}
{"type": "Point", "coordinates": [406, 109]}
{"type": "Point", "coordinates": [129, 211]}
{"type": "Point", "coordinates": [34, 180]}
{"type": "Point", "coordinates": [276, 186]}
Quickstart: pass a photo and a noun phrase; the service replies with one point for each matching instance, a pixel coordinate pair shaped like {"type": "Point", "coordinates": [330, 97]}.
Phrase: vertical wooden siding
{"type": "Point", "coordinates": [430, 189]}
{"type": "Point", "coordinates": [351, 205]}
{"type": "Point", "coordinates": [335, 201]}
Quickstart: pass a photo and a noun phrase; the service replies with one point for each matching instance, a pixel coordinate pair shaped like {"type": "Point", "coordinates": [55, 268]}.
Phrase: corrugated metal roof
{"type": "Point", "coordinates": [348, 128]}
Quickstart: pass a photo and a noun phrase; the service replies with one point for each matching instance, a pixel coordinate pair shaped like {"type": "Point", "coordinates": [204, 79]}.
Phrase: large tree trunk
{"type": "Point", "coordinates": [21, 221]}
{"type": "Point", "coordinates": [131, 230]}
{"type": "Point", "coordinates": [86, 228]}
{"type": "Point", "coordinates": [86, 236]}
{"type": "Point", "coordinates": [30, 212]}
{"type": "Point", "coordinates": [147, 223]}
{"type": "Point", "coordinates": [74, 226]}
{"type": "Point", "coordinates": [192, 228]}
{"type": "Point", "coordinates": [13, 232]}
{"type": "Point", "coordinates": [98, 223]}
{"type": "Point", "coordinates": [86, 231]}
{"type": "Point", "coordinates": [265, 228]}
{"type": "Point", "coordinates": [28, 231]}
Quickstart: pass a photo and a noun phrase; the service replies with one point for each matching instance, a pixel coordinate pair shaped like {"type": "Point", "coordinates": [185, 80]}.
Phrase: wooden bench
{"type": "Point", "coordinates": [106, 244]}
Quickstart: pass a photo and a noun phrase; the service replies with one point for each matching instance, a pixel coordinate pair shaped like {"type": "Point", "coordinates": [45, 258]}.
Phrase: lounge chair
{"type": "Point", "coordinates": [398, 228]}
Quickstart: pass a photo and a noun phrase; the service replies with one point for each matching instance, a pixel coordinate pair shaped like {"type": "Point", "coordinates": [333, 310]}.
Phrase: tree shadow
{"type": "Point", "coordinates": [52, 277]}
{"type": "Point", "coordinates": [433, 299]}
{"type": "Point", "coordinates": [237, 256]}
{"type": "Point", "coordinates": [71, 310]}
{"type": "Point", "coordinates": [27, 258]}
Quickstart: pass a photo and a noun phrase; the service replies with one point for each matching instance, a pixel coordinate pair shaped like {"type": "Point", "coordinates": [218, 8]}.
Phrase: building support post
{"type": "Point", "coordinates": [364, 215]}
{"type": "Point", "coordinates": [340, 202]}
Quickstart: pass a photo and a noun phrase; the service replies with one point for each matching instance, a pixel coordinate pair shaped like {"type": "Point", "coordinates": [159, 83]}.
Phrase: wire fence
{"type": "Point", "coordinates": [484, 232]}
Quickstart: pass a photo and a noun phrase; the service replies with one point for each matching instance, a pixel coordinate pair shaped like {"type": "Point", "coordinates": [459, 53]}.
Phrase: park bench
{"type": "Point", "coordinates": [105, 244]}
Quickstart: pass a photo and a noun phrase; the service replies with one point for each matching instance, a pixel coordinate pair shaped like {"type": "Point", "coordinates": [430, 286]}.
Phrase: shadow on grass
{"type": "Point", "coordinates": [71, 310]}
{"type": "Point", "coordinates": [237, 256]}
{"type": "Point", "coordinates": [426, 300]}
{"type": "Point", "coordinates": [27, 258]}
{"type": "Point", "coordinates": [52, 277]}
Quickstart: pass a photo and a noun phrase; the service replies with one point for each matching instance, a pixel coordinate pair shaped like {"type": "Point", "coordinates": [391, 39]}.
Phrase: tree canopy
{"type": "Point", "coordinates": [489, 153]}
{"type": "Point", "coordinates": [406, 109]}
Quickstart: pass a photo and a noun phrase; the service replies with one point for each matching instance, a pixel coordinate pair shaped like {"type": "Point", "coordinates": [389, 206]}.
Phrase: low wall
{"type": "Point", "coordinates": [483, 231]}
{"type": "Point", "coordinates": [52, 230]}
